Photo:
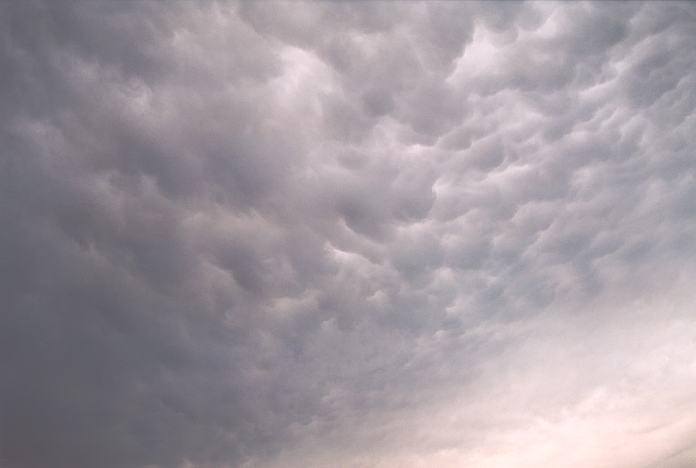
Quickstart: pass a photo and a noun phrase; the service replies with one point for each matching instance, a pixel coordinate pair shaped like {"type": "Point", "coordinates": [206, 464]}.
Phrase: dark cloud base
{"type": "Point", "coordinates": [334, 234]}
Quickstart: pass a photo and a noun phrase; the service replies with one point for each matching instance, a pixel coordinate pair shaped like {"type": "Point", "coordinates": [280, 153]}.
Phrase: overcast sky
{"type": "Point", "coordinates": [397, 234]}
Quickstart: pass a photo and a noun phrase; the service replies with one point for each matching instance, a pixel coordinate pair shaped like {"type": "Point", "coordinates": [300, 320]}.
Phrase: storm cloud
{"type": "Point", "coordinates": [370, 234]}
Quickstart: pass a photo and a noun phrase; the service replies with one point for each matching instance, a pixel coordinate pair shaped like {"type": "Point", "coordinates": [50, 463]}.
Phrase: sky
{"type": "Point", "coordinates": [347, 234]}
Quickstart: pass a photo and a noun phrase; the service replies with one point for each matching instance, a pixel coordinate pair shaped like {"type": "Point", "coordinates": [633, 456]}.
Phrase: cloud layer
{"type": "Point", "coordinates": [388, 234]}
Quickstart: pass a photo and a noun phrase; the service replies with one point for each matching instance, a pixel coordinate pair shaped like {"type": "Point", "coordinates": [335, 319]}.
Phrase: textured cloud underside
{"type": "Point", "coordinates": [344, 234]}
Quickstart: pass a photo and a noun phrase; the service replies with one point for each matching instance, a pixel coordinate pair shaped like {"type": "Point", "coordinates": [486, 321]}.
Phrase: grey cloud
{"type": "Point", "coordinates": [384, 234]}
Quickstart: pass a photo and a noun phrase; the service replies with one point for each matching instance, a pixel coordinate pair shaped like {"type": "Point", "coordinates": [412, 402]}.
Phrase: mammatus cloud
{"type": "Point", "coordinates": [388, 234]}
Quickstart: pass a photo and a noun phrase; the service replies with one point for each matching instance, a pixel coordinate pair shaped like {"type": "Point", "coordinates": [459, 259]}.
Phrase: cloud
{"type": "Point", "coordinates": [387, 234]}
